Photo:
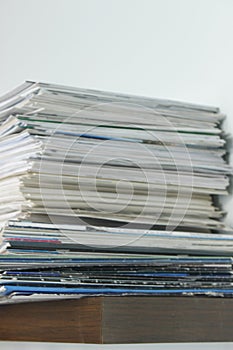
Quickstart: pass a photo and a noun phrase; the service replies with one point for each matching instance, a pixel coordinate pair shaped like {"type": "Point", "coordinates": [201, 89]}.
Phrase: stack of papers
{"type": "Point", "coordinates": [104, 193]}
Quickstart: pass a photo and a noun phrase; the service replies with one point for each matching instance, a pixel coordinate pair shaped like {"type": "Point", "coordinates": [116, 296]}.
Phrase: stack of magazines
{"type": "Point", "coordinates": [104, 193]}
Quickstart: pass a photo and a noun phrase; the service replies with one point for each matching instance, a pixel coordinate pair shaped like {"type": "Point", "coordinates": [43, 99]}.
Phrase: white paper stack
{"type": "Point", "coordinates": [110, 194]}
{"type": "Point", "coordinates": [72, 156]}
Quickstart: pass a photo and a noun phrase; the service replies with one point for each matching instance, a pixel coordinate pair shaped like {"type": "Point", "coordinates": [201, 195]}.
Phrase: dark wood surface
{"type": "Point", "coordinates": [120, 320]}
{"type": "Point", "coordinates": [72, 321]}
{"type": "Point", "coordinates": [167, 319]}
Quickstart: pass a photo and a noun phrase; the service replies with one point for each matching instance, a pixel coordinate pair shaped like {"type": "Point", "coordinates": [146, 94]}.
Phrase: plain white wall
{"type": "Point", "coordinates": [176, 49]}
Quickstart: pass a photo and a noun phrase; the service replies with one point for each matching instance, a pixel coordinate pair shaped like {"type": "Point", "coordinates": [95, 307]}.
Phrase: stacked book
{"type": "Point", "coordinates": [104, 193]}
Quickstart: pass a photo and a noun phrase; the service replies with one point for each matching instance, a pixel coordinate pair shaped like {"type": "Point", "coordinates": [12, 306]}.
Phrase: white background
{"type": "Point", "coordinates": [176, 49]}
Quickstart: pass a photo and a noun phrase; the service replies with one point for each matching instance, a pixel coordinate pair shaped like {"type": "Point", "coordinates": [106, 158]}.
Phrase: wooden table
{"type": "Point", "coordinates": [120, 320]}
